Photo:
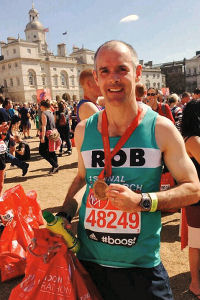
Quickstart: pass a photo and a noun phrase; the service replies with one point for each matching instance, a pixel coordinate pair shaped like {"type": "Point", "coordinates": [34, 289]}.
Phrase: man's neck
{"type": "Point", "coordinates": [87, 97]}
{"type": "Point", "coordinates": [119, 118]}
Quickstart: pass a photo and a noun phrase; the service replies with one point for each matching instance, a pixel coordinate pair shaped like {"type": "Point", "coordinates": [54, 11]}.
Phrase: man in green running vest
{"type": "Point", "coordinates": [119, 160]}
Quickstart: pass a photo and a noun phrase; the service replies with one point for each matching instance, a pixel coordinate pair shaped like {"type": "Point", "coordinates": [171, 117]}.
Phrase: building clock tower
{"type": "Point", "coordinates": [35, 31]}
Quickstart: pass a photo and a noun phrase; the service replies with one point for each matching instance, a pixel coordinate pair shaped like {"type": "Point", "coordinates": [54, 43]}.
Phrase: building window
{"type": "Point", "coordinates": [11, 82]}
{"type": "Point", "coordinates": [158, 85]}
{"type": "Point", "coordinates": [28, 50]}
{"type": "Point", "coordinates": [154, 75]}
{"type": "Point", "coordinates": [42, 68]}
{"type": "Point", "coordinates": [63, 80]}
{"type": "Point", "coordinates": [9, 66]}
{"type": "Point", "coordinates": [154, 84]}
{"type": "Point", "coordinates": [158, 75]}
{"type": "Point", "coordinates": [189, 71]}
{"type": "Point", "coordinates": [54, 69]}
{"type": "Point", "coordinates": [35, 36]}
{"type": "Point", "coordinates": [147, 76]}
{"type": "Point", "coordinates": [3, 67]}
{"type": "Point", "coordinates": [18, 81]}
{"type": "Point", "coordinates": [72, 70]}
{"type": "Point", "coordinates": [195, 71]}
{"type": "Point", "coordinates": [5, 83]}
{"type": "Point", "coordinates": [16, 65]}
{"type": "Point", "coordinates": [7, 52]}
{"type": "Point", "coordinates": [55, 80]}
{"type": "Point", "coordinates": [31, 78]}
{"type": "Point", "coordinates": [14, 51]}
{"type": "Point", "coordinates": [43, 80]}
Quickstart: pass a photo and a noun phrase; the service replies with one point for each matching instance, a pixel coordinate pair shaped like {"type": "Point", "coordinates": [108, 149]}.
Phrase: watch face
{"type": "Point", "coordinates": [146, 203]}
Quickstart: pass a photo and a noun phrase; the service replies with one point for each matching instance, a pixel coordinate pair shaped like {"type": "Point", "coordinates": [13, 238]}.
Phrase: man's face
{"type": "Point", "coordinates": [196, 96]}
{"type": "Point", "coordinates": [116, 74]}
{"type": "Point", "coordinates": [151, 97]}
{"type": "Point", "coordinates": [185, 100]}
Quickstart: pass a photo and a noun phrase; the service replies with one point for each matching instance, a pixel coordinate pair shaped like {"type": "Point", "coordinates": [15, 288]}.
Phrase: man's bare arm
{"type": "Point", "coordinates": [70, 204]}
{"type": "Point", "coordinates": [179, 164]}
{"type": "Point", "coordinates": [86, 110]}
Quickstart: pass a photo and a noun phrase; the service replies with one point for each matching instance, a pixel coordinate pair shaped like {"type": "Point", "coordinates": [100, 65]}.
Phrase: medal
{"type": "Point", "coordinates": [99, 189]}
{"type": "Point", "coordinates": [100, 185]}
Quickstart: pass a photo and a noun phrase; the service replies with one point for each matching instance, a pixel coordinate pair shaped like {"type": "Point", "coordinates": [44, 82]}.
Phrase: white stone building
{"type": "Point", "coordinates": [26, 65]}
{"type": "Point", "coordinates": [152, 76]}
{"type": "Point", "coordinates": [192, 72]}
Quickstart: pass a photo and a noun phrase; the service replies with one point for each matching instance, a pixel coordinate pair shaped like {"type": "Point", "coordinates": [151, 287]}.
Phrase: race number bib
{"type": "Point", "coordinates": [107, 224]}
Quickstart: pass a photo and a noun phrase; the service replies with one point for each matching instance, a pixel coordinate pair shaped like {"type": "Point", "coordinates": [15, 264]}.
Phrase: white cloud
{"type": "Point", "coordinates": [129, 18]}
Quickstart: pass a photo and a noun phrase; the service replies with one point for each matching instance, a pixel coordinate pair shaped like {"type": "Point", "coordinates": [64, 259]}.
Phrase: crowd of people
{"type": "Point", "coordinates": [125, 139]}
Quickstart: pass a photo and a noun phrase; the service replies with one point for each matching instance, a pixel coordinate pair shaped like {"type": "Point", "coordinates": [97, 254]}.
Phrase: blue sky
{"type": "Point", "coordinates": [166, 30]}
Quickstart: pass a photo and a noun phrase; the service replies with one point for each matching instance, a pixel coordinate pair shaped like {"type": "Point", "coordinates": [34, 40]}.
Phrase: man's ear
{"type": "Point", "coordinates": [95, 76]}
{"type": "Point", "coordinates": [138, 73]}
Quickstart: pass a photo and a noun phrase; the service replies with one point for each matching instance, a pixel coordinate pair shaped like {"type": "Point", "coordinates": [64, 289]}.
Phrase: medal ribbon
{"type": "Point", "coordinates": [107, 171]}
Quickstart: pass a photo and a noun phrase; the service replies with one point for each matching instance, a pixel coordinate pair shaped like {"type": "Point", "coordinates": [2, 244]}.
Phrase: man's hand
{"type": "Point", "coordinates": [42, 140]}
{"type": "Point", "coordinates": [123, 198]}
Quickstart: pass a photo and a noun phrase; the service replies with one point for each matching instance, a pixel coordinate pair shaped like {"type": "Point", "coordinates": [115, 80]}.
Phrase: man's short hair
{"type": "Point", "coordinates": [173, 98]}
{"type": "Point", "coordinates": [87, 73]}
{"type": "Point", "coordinates": [111, 44]}
{"type": "Point", "coordinates": [185, 94]}
{"type": "Point", "coordinates": [197, 91]}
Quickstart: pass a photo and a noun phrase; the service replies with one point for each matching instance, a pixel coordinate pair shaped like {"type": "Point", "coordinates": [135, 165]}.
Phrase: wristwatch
{"type": "Point", "coordinates": [146, 202]}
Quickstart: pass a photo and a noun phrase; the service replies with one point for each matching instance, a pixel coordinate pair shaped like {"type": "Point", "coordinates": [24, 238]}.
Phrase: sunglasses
{"type": "Point", "coordinates": [151, 94]}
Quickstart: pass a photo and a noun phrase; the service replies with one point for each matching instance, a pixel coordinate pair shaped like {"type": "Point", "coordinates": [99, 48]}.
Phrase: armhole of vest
{"type": "Point", "coordinates": [87, 135]}
{"type": "Point", "coordinates": [154, 142]}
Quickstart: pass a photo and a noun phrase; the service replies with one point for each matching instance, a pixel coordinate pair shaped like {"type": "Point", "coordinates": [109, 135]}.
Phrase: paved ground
{"type": "Point", "coordinates": [51, 192]}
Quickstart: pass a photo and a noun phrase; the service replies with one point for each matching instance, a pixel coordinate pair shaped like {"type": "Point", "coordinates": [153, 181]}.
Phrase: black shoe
{"type": "Point", "coordinates": [25, 169]}
{"type": "Point", "coordinates": [60, 154]}
{"type": "Point", "coordinates": [68, 152]}
{"type": "Point", "coordinates": [53, 170]}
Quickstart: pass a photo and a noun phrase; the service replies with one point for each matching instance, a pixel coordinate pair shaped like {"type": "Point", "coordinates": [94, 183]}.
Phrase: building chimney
{"type": "Point", "coordinates": [198, 52]}
{"type": "Point", "coordinates": [61, 49]}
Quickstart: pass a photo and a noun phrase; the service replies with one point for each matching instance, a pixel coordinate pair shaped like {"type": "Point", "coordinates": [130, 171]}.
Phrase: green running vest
{"type": "Point", "coordinates": [109, 236]}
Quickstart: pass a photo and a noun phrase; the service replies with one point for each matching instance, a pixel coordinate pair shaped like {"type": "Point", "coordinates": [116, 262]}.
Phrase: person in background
{"type": "Point", "coordinates": [161, 108]}
{"type": "Point", "coordinates": [185, 98]}
{"type": "Point", "coordinates": [62, 124]}
{"type": "Point", "coordinates": [176, 111]}
{"type": "Point", "coordinates": [191, 132]}
{"type": "Point", "coordinates": [48, 124]}
{"type": "Point", "coordinates": [22, 151]}
{"type": "Point", "coordinates": [25, 120]}
{"type": "Point", "coordinates": [87, 106]}
{"type": "Point", "coordinates": [3, 149]}
{"type": "Point", "coordinates": [196, 94]}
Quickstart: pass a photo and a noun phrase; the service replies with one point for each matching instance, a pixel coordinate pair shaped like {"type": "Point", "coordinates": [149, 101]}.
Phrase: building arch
{"type": "Point", "coordinates": [64, 79]}
{"type": "Point", "coordinates": [32, 77]}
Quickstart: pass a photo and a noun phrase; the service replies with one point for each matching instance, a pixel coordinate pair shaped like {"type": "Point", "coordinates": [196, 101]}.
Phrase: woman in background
{"type": "Point", "coordinates": [191, 133]}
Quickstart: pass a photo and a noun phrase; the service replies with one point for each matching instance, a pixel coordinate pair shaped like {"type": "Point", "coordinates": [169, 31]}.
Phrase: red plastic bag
{"type": "Point", "coordinates": [15, 200]}
{"type": "Point", "coordinates": [53, 277]}
{"type": "Point", "coordinates": [81, 280]}
{"type": "Point", "coordinates": [20, 213]}
{"type": "Point", "coordinates": [14, 240]}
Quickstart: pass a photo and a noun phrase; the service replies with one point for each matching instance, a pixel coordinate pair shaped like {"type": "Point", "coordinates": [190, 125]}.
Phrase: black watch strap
{"type": "Point", "coordinates": [64, 215]}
